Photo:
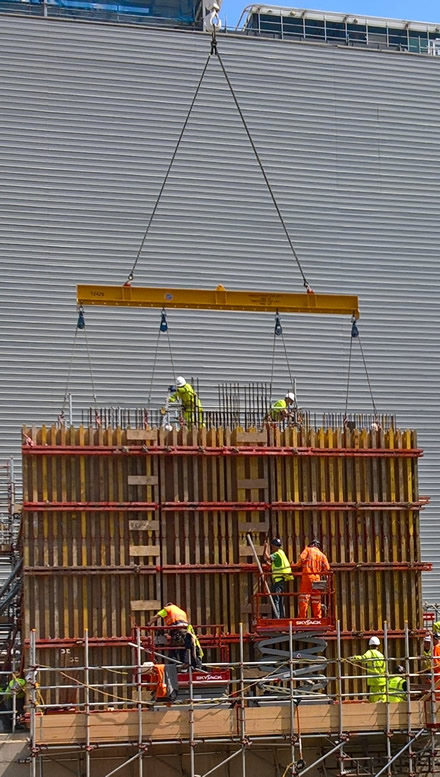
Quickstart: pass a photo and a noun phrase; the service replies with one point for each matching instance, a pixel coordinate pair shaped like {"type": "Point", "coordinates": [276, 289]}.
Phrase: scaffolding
{"type": "Point", "coordinates": [262, 706]}
{"type": "Point", "coordinates": [10, 567]}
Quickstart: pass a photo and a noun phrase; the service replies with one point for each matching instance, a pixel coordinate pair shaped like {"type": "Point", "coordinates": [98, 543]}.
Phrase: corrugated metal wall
{"type": "Point", "coordinates": [89, 116]}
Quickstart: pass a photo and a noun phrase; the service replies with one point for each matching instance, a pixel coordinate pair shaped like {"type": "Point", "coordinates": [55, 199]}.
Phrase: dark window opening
{"type": "Point", "coordinates": [293, 28]}
{"type": "Point", "coordinates": [357, 33]}
{"type": "Point", "coordinates": [336, 31]}
{"type": "Point", "coordinates": [315, 29]}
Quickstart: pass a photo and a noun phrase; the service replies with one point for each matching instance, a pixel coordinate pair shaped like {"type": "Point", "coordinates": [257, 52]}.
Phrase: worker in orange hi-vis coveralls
{"type": "Point", "coordinates": [313, 563]}
{"type": "Point", "coordinates": [436, 663]}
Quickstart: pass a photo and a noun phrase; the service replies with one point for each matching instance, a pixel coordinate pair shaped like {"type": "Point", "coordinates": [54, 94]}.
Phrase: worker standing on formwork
{"type": "Point", "coordinates": [313, 563]}
{"type": "Point", "coordinates": [281, 572]}
{"type": "Point", "coordinates": [184, 393]}
{"type": "Point", "coordinates": [282, 407]}
{"type": "Point", "coordinates": [374, 662]}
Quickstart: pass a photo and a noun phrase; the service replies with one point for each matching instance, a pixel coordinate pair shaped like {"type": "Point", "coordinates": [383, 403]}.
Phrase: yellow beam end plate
{"type": "Point", "coordinates": [217, 299]}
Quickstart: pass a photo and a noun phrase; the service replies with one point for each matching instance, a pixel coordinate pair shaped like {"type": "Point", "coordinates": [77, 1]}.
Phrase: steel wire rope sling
{"type": "Point", "coordinates": [278, 332]}
{"type": "Point", "coordinates": [355, 335]}
{"type": "Point", "coordinates": [163, 329]}
{"type": "Point", "coordinates": [163, 325]}
{"type": "Point", "coordinates": [214, 53]}
{"type": "Point", "coordinates": [80, 327]}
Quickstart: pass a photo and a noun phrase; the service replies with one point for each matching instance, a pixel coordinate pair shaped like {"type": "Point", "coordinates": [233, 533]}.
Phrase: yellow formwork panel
{"type": "Point", "coordinates": [355, 489]}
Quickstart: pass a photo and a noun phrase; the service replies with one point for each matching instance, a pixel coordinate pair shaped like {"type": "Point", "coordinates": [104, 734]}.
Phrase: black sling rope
{"type": "Point", "coordinates": [278, 332]}
{"type": "Point", "coordinates": [163, 329]}
{"type": "Point", "coordinates": [257, 156]}
{"type": "Point", "coordinates": [354, 335]}
{"type": "Point", "coordinates": [214, 53]}
{"type": "Point", "coordinates": [80, 326]}
{"type": "Point", "coordinates": [179, 140]}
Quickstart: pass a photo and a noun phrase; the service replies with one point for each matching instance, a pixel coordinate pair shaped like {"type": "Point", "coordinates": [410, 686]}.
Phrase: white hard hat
{"type": "Point", "coordinates": [180, 381]}
{"type": "Point", "coordinates": [374, 642]}
{"type": "Point", "coordinates": [290, 395]}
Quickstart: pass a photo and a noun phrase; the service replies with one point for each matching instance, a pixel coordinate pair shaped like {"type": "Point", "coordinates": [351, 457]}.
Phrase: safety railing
{"type": "Point", "coordinates": [406, 692]}
{"type": "Point", "coordinates": [298, 26]}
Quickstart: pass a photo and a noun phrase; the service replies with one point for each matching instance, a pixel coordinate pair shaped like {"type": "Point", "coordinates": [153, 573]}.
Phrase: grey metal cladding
{"type": "Point", "coordinates": [350, 139]}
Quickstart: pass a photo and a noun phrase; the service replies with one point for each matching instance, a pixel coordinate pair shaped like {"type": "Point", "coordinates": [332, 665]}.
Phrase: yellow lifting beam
{"type": "Point", "coordinates": [218, 299]}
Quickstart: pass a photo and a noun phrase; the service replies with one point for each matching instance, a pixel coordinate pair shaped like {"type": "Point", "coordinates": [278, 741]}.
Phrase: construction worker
{"type": "Point", "coordinates": [282, 407]}
{"type": "Point", "coordinates": [427, 648]}
{"type": "Point", "coordinates": [176, 620]}
{"type": "Point", "coordinates": [397, 686]}
{"type": "Point", "coordinates": [374, 662]}
{"type": "Point", "coordinates": [426, 662]}
{"type": "Point", "coordinates": [184, 393]}
{"type": "Point", "coordinates": [313, 563]}
{"type": "Point", "coordinates": [436, 661]}
{"type": "Point", "coordinates": [16, 687]}
{"type": "Point", "coordinates": [281, 572]}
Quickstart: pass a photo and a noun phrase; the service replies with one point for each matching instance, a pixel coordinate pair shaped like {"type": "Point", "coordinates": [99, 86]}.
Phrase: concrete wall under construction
{"type": "Point", "coordinates": [117, 522]}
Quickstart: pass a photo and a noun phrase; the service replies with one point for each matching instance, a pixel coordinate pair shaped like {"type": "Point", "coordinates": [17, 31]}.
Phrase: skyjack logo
{"type": "Point", "coordinates": [210, 677]}
{"type": "Point", "coordinates": [308, 622]}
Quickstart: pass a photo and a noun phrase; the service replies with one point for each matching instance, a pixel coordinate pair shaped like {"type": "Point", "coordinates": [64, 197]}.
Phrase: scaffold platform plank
{"type": "Point", "coordinates": [173, 724]}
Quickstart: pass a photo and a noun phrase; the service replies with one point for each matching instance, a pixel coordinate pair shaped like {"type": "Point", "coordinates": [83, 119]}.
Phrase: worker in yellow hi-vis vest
{"type": "Point", "coordinates": [374, 663]}
{"type": "Point", "coordinates": [282, 407]}
{"type": "Point", "coordinates": [192, 409]}
{"type": "Point", "coordinates": [281, 572]}
{"type": "Point", "coordinates": [15, 688]}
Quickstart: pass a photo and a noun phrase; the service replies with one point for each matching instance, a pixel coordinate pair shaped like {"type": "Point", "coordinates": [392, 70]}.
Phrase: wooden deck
{"type": "Point", "coordinates": [172, 724]}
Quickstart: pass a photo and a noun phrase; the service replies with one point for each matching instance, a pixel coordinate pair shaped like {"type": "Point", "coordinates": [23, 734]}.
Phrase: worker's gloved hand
{"type": "Point", "coordinates": [163, 410]}
{"type": "Point", "coordinates": [171, 388]}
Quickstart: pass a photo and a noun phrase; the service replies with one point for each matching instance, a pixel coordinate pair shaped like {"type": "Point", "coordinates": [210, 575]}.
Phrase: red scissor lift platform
{"type": "Point", "coordinates": [262, 600]}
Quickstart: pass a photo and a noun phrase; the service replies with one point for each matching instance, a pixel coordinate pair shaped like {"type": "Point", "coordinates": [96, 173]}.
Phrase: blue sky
{"type": "Point", "coordinates": [425, 11]}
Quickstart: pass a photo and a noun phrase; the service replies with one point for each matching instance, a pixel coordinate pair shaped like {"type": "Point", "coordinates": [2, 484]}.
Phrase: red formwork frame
{"type": "Point", "coordinates": [223, 450]}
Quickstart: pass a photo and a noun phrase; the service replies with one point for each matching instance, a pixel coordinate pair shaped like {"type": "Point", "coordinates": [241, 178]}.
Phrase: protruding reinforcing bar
{"type": "Point", "coordinates": [218, 299]}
